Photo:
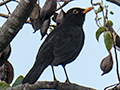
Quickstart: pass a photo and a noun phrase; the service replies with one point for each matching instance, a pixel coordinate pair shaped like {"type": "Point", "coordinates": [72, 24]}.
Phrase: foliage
{"type": "Point", "coordinates": [18, 81]}
{"type": "Point", "coordinates": [4, 85]}
{"type": "Point", "coordinates": [111, 38]}
{"type": "Point", "coordinates": [100, 31]}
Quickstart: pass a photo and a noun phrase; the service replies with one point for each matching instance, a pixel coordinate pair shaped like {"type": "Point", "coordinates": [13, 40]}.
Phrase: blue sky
{"type": "Point", "coordinates": [85, 70]}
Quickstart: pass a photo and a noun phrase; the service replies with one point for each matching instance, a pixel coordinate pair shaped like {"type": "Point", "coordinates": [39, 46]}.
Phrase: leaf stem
{"type": "Point", "coordinates": [96, 18]}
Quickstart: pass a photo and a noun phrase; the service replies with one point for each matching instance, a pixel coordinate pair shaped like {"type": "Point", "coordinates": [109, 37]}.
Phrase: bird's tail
{"type": "Point", "coordinates": [34, 73]}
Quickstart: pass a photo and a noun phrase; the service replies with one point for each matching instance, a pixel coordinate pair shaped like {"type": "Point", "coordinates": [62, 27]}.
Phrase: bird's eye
{"type": "Point", "coordinates": [75, 11]}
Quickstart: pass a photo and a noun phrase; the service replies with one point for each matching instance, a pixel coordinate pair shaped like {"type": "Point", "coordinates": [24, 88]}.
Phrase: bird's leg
{"type": "Point", "coordinates": [67, 79]}
{"type": "Point", "coordinates": [55, 80]}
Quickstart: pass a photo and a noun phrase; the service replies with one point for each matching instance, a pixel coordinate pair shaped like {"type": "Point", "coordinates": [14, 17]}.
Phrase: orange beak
{"type": "Point", "coordinates": [87, 9]}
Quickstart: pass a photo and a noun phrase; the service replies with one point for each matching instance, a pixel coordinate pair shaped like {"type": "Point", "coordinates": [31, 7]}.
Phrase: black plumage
{"type": "Point", "coordinates": [61, 46]}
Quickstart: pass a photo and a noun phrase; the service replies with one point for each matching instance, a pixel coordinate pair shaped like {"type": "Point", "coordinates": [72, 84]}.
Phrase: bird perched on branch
{"type": "Point", "coordinates": [61, 46]}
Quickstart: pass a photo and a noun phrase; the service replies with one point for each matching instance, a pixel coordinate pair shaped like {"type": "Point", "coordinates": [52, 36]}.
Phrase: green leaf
{"type": "Point", "coordinates": [109, 22]}
{"type": "Point", "coordinates": [18, 81]}
{"type": "Point", "coordinates": [99, 18]}
{"type": "Point", "coordinates": [4, 85]}
{"type": "Point", "coordinates": [99, 9]}
{"type": "Point", "coordinates": [108, 40]}
{"type": "Point", "coordinates": [111, 12]}
{"type": "Point", "coordinates": [99, 31]}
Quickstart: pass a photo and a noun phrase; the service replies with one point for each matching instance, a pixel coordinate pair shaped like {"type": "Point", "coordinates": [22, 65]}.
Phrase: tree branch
{"type": "Point", "coordinates": [4, 2]}
{"type": "Point", "coordinates": [50, 85]}
{"type": "Point", "coordinates": [15, 22]}
{"type": "Point", "coordinates": [115, 2]}
{"type": "Point", "coordinates": [7, 8]}
{"type": "Point", "coordinates": [7, 16]}
{"type": "Point", "coordinates": [4, 15]}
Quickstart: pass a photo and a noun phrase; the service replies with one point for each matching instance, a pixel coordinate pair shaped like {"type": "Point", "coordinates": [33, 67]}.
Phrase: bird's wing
{"type": "Point", "coordinates": [64, 50]}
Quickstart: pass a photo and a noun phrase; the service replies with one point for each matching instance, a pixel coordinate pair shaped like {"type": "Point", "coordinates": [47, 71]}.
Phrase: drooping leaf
{"type": "Point", "coordinates": [108, 40]}
{"type": "Point", "coordinates": [18, 81]}
{"type": "Point", "coordinates": [44, 28]}
{"type": "Point", "coordinates": [99, 31]}
{"type": "Point", "coordinates": [107, 64]}
{"type": "Point", "coordinates": [99, 9]}
{"type": "Point", "coordinates": [48, 9]}
{"type": "Point", "coordinates": [60, 17]}
{"type": "Point", "coordinates": [35, 18]}
{"type": "Point", "coordinates": [6, 72]}
{"type": "Point", "coordinates": [36, 12]}
{"type": "Point", "coordinates": [4, 85]}
{"type": "Point", "coordinates": [4, 55]}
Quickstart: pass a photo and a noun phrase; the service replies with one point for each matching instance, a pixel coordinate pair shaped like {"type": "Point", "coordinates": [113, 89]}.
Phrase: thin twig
{"type": "Point", "coordinates": [7, 16]}
{"type": "Point", "coordinates": [111, 86]}
{"type": "Point", "coordinates": [7, 8]}
{"type": "Point", "coordinates": [4, 2]}
{"type": "Point", "coordinates": [117, 2]}
{"type": "Point", "coordinates": [16, 1]}
{"type": "Point", "coordinates": [65, 3]}
{"type": "Point", "coordinates": [96, 18]}
{"type": "Point", "coordinates": [4, 15]}
{"type": "Point", "coordinates": [117, 67]}
{"type": "Point", "coordinates": [106, 16]}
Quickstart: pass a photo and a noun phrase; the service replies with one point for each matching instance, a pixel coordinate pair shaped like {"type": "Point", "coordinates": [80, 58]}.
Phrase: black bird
{"type": "Point", "coordinates": [61, 46]}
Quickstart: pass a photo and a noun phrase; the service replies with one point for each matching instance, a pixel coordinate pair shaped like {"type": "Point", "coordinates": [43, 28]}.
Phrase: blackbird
{"type": "Point", "coordinates": [61, 46]}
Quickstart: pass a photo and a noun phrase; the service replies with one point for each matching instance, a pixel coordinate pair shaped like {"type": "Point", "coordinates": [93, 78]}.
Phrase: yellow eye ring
{"type": "Point", "coordinates": [75, 11]}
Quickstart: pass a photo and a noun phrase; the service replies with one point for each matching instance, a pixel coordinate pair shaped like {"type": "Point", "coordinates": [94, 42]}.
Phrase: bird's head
{"type": "Point", "coordinates": [77, 15]}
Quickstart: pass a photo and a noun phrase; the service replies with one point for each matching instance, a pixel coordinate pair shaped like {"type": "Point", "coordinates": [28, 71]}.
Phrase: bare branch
{"type": "Point", "coordinates": [6, 16]}
{"type": "Point", "coordinates": [96, 18]}
{"type": "Point", "coordinates": [115, 2]}
{"type": "Point", "coordinates": [7, 8]}
{"type": "Point", "coordinates": [15, 22]}
{"type": "Point", "coordinates": [65, 3]}
{"type": "Point", "coordinates": [111, 86]}
{"type": "Point", "coordinates": [4, 2]}
{"type": "Point", "coordinates": [16, 1]}
{"type": "Point", "coordinates": [50, 85]}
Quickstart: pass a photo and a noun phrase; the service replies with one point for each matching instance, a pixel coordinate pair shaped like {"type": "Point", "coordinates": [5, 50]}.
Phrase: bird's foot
{"type": "Point", "coordinates": [56, 81]}
{"type": "Point", "coordinates": [67, 81]}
